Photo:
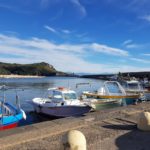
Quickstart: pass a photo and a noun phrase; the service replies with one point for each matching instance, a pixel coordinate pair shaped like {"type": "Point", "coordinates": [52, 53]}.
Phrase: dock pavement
{"type": "Point", "coordinates": [111, 129]}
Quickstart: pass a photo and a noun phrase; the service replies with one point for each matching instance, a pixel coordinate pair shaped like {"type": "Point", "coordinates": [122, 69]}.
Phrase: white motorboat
{"type": "Point", "coordinates": [109, 95]}
{"type": "Point", "coordinates": [61, 102]}
{"type": "Point", "coordinates": [136, 87]}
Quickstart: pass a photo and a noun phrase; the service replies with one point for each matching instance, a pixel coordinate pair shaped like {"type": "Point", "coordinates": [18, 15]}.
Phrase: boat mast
{"type": "Point", "coordinates": [17, 101]}
{"type": "Point", "coordinates": [1, 123]}
{"type": "Point", "coordinates": [2, 103]}
{"type": "Point", "coordinates": [17, 98]}
{"type": "Point", "coordinates": [4, 93]}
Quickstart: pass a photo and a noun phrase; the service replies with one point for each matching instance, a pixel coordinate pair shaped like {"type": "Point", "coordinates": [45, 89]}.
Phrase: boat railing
{"type": "Point", "coordinates": [84, 83]}
{"type": "Point", "coordinates": [138, 85]}
{"type": "Point", "coordinates": [120, 89]}
{"type": "Point", "coordinates": [4, 108]}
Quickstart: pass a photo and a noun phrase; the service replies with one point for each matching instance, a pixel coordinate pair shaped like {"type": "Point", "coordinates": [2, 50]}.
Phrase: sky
{"type": "Point", "coordinates": [80, 36]}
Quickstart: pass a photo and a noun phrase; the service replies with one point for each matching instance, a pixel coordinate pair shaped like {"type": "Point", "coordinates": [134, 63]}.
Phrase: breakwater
{"type": "Point", "coordinates": [140, 75]}
{"type": "Point", "coordinates": [105, 130]}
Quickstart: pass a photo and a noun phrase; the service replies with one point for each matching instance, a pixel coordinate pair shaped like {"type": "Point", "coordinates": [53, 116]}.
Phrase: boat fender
{"type": "Point", "coordinates": [93, 107]}
{"type": "Point", "coordinates": [62, 103]}
{"type": "Point", "coordinates": [23, 114]}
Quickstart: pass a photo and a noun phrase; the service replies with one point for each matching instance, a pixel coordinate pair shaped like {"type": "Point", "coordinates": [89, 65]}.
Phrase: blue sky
{"type": "Point", "coordinates": [89, 36]}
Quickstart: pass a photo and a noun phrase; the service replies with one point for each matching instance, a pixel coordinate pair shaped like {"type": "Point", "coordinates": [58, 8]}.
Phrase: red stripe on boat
{"type": "Point", "coordinates": [8, 126]}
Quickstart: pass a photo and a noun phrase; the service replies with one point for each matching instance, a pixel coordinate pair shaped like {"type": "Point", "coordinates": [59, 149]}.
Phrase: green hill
{"type": "Point", "coordinates": [40, 69]}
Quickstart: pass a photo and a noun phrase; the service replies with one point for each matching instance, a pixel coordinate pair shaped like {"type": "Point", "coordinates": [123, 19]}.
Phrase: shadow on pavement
{"type": "Point", "coordinates": [120, 127]}
{"type": "Point", "coordinates": [133, 140]}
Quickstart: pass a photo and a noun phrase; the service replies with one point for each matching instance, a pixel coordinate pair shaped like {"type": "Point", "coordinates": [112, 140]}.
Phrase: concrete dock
{"type": "Point", "coordinates": [113, 129]}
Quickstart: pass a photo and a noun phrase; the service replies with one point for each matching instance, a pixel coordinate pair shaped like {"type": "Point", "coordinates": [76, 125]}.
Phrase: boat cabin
{"type": "Point", "coordinates": [62, 94]}
{"type": "Point", "coordinates": [5, 110]}
{"type": "Point", "coordinates": [111, 88]}
{"type": "Point", "coordinates": [133, 86]}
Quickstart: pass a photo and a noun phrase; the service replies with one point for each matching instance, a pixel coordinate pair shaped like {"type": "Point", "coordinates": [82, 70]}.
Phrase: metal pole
{"type": "Point", "coordinates": [4, 93]}
{"type": "Point", "coordinates": [2, 113]}
{"type": "Point", "coordinates": [17, 101]}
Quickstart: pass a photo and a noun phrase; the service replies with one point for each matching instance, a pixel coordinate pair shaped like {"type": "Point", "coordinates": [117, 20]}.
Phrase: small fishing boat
{"type": "Point", "coordinates": [9, 114]}
{"type": "Point", "coordinates": [61, 102]}
{"type": "Point", "coordinates": [136, 87]}
{"type": "Point", "coordinates": [111, 94]}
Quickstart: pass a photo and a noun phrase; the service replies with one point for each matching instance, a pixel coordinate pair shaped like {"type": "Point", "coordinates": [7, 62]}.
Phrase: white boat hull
{"type": "Point", "coordinates": [62, 111]}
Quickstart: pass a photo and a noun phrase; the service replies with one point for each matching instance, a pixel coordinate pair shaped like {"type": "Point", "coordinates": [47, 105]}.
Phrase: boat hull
{"type": "Point", "coordinates": [10, 121]}
{"type": "Point", "coordinates": [63, 111]}
{"type": "Point", "coordinates": [126, 99]}
{"type": "Point", "coordinates": [147, 95]}
{"type": "Point", "coordinates": [9, 126]}
{"type": "Point", "coordinates": [91, 95]}
{"type": "Point", "coordinates": [107, 104]}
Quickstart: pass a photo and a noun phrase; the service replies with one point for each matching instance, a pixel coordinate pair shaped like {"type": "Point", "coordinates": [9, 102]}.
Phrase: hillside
{"type": "Point", "coordinates": [38, 69]}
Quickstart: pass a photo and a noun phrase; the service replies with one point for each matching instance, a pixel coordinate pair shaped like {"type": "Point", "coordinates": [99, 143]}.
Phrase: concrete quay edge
{"type": "Point", "coordinates": [34, 132]}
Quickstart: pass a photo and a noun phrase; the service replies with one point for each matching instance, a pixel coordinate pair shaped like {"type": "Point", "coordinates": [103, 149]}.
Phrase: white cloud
{"type": "Point", "coordinates": [65, 57]}
{"type": "Point", "coordinates": [146, 17]}
{"type": "Point", "coordinates": [66, 31]}
{"type": "Point", "coordinates": [127, 42]}
{"type": "Point", "coordinates": [140, 60]}
{"type": "Point", "coordinates": [108, 50]}
{"type": "Point", "coordinates": [132, 46]}
{"type": "Point", "coordinates": [146, 54]}
{"type": "Point", "coordinates": [50, 29]}
{"type": "Point", "coordinates": [59, 31]}
{"type": "Point", "coordinates": [80, 7]}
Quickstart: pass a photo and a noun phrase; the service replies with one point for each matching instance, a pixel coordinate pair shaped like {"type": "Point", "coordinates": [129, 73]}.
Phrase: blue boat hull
{"type": "Point", "coordinates": [128, 101]}
{"type": "Point", "coordinates": [11, 120]}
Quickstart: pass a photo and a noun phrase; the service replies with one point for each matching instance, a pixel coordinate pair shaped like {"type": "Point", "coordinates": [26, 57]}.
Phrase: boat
{"type": "Point", "coordinates": [134, 86]}
{"type": "Point", "coordinates": [111, 94]}
{"type": "Point", "coordinates": [10, 115]}
{"type": "Point", "coordinates": [60, 102]}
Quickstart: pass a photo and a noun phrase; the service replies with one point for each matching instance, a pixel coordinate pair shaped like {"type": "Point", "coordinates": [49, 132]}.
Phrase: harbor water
{"type": "Point", "coordinates": [29, 88]}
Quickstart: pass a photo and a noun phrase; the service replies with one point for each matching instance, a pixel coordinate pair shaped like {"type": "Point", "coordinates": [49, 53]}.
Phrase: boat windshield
{"type": "Point", "coordinates": [71, 96]}
{"type": "Point", "coordinates": [133, 86]}
{"type": "Point", "coordinates": [113, 88]}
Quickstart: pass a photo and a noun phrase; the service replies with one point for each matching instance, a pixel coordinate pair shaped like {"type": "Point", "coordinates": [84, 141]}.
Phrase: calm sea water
{"type": "Point", "coordinates": [37, 87]}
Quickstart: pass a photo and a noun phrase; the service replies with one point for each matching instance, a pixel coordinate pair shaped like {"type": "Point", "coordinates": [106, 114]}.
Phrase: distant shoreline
{"type": "Point", "coordinates": [20, 76]}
